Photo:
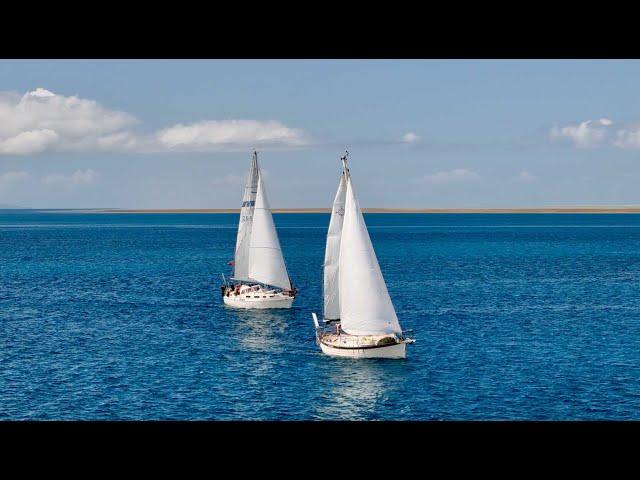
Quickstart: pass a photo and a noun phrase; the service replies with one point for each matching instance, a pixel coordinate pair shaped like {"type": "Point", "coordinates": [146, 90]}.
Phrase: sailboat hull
{"type": "Point", "coordinates": [341, 344]}
{"type": "Point", "coordinates": [277, 300]}
{"type": "Point", "coordinates": [389, 351]}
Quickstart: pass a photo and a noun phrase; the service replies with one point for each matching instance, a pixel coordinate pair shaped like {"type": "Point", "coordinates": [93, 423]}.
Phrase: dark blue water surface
{"type": "Point", "coordinates": [119, 316]}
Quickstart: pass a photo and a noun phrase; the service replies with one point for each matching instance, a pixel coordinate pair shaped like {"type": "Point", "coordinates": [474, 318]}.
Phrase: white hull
{"type": "Point", "coordinates": [256, 297]}
{"type": "Point", "coordinates": [341, 344]}
{"type": "Point", "coordinates": [258, 302]}
{"type": "Point", "coordinates": [390, 351]}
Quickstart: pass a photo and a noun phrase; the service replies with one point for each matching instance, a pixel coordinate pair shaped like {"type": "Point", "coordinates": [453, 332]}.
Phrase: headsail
{"type": "Point", "coordinates": [365, 305]}
{"type": "Point", "coordinates": [266, 263]}
{"type": "Point", "coordinates": [241, 269]}
{"type": "Point", "coordinates": [332, 253]}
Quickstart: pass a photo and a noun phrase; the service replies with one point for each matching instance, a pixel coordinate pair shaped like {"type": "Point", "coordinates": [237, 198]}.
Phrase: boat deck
{"type": "Point", "coordinates": [344, 340]}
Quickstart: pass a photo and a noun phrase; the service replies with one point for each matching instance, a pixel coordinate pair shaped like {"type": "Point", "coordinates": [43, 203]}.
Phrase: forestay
{"type": "Point", "coordinates": [365, 305]}
{"type": "Point", "coordinates": [266, 263]}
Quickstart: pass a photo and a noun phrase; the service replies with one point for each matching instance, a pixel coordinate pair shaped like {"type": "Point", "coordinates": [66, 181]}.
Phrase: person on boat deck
{"type": "Point", "coordinates": [237, 292]}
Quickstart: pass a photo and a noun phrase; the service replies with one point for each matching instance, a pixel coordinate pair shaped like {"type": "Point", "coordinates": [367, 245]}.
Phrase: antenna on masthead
{"type": "Point", "coordinates": [344, 161]}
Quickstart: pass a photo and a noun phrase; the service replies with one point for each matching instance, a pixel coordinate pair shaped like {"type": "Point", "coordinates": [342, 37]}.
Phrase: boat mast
{"type": "Point", "coordinates": [330, 290]}
{"type": "Point", "coordinates": [245, 225]}
{"type": "Point", "coordinates": [345, 169]}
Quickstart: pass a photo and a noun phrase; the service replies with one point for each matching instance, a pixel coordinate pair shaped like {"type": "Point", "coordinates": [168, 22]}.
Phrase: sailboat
{"type": "Point", "coordinates": [359, 318]}
{"type": "Point", "coordinates": [260, 278]}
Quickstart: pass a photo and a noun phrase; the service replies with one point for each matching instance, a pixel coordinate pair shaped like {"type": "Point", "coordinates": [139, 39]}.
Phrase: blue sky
{"type": "Point", "coordinates": [432, 134]}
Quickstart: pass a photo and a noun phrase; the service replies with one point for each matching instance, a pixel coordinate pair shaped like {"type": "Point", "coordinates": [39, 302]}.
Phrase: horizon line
{"type": "Point", "coordinates": [549, 209]}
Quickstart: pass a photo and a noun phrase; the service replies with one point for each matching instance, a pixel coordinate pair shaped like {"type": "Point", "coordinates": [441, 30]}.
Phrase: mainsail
{"type": "Point", "coordinates": [241, 260]}
{"type": "Point", "coordinates": [266, 264]}
{"type": "Point", "coordinates": [332, 254]}
{"type": "Point", "coordinates": [365, 305]}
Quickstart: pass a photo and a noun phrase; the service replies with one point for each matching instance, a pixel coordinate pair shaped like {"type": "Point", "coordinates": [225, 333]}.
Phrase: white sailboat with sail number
{"type": "Point", "coordinates": [359, 318]}
{"type": "Point", "coordinates": [260, 278]}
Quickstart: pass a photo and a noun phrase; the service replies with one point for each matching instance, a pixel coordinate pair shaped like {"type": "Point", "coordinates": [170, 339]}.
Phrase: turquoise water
{"type": "Point", "coordinates": [119, 316]}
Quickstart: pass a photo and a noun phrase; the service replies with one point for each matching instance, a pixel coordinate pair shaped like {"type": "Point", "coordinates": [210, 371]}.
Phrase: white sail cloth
{"type": "Point", "coordinates": [266, 263]}
{"type": "Point", "coordinates": [365, 305]}
{"type": "Point", "coordinates": [332, 254]}
{"type": "Point", "coordinates": [241, 258]}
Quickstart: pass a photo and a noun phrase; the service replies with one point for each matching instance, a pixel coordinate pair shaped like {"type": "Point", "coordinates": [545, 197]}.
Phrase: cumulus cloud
{"type": "Point", "coordinates": [587, 134]}
{"type": "Point", "coordinates": [13, 177]}
{"type": "Point", "coordinates": [77, 178]}
{"type": "Point", "coordinates": [216, 134]}
{"type": "Point", "coordinates": [455, 175]}
{"type": "Point", "coordinates": [410, 137]}
{"type": "Point", "coordinates": [599, 132]}
{"type": "Point", "coordinates": [41, 121]}
{"type": "Point", "coordinates": [628, 138]}
{"type": "Point", "coordinates": [32, 141]}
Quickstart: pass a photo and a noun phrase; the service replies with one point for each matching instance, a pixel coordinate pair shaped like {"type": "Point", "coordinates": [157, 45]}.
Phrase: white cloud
{"type": "Point", "coordinates": [41, 121]}
{"type": "Point", "coordinates": [410, 137]}
{"type": "Point", "coordinates": [210, 135]}
{"type": "Point", "coordinates": [628, 138]}
{"type": "Point", "coordinates": [229, 179]}
{"type": "Point", "coordinates": [54, 178]}
{"type": "Point", "coordinates": [41, 93]}
{"type": "Point", "coordinates": [598, 132]}
{"type": "Point", "coordinates": [587, 134]}
{"type": "Point", "coordinates": [525, 176]}
{"type": "Point", "coordinates": [32, 141]}
{"type": "Point", "coordinates": [13, 177]}
{"type": "Point", "coordinates": [455, 175]}
{"type": "Point", "coordinates": [77, 178]}
{"type": "Point", "coordinates": [86, 176]}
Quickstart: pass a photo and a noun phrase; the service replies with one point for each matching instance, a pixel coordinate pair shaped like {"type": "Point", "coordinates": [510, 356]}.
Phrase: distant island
{"type": "Point", "coordinates": [586, 209]}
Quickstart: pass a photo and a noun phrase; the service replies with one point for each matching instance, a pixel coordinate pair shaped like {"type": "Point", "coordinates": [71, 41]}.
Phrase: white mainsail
{"type": "Point", "coordinates": [266, 263]}
{"type": "Point", "coordinates": [365, 305]}
{"type": "Point", "coordinates": [332, 254]}
{"type": "Point", "coordinates": [241, 259]}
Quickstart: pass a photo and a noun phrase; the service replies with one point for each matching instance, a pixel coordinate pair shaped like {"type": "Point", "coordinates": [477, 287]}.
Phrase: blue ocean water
{"type": "Point", "coordinates": [119, 316]}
